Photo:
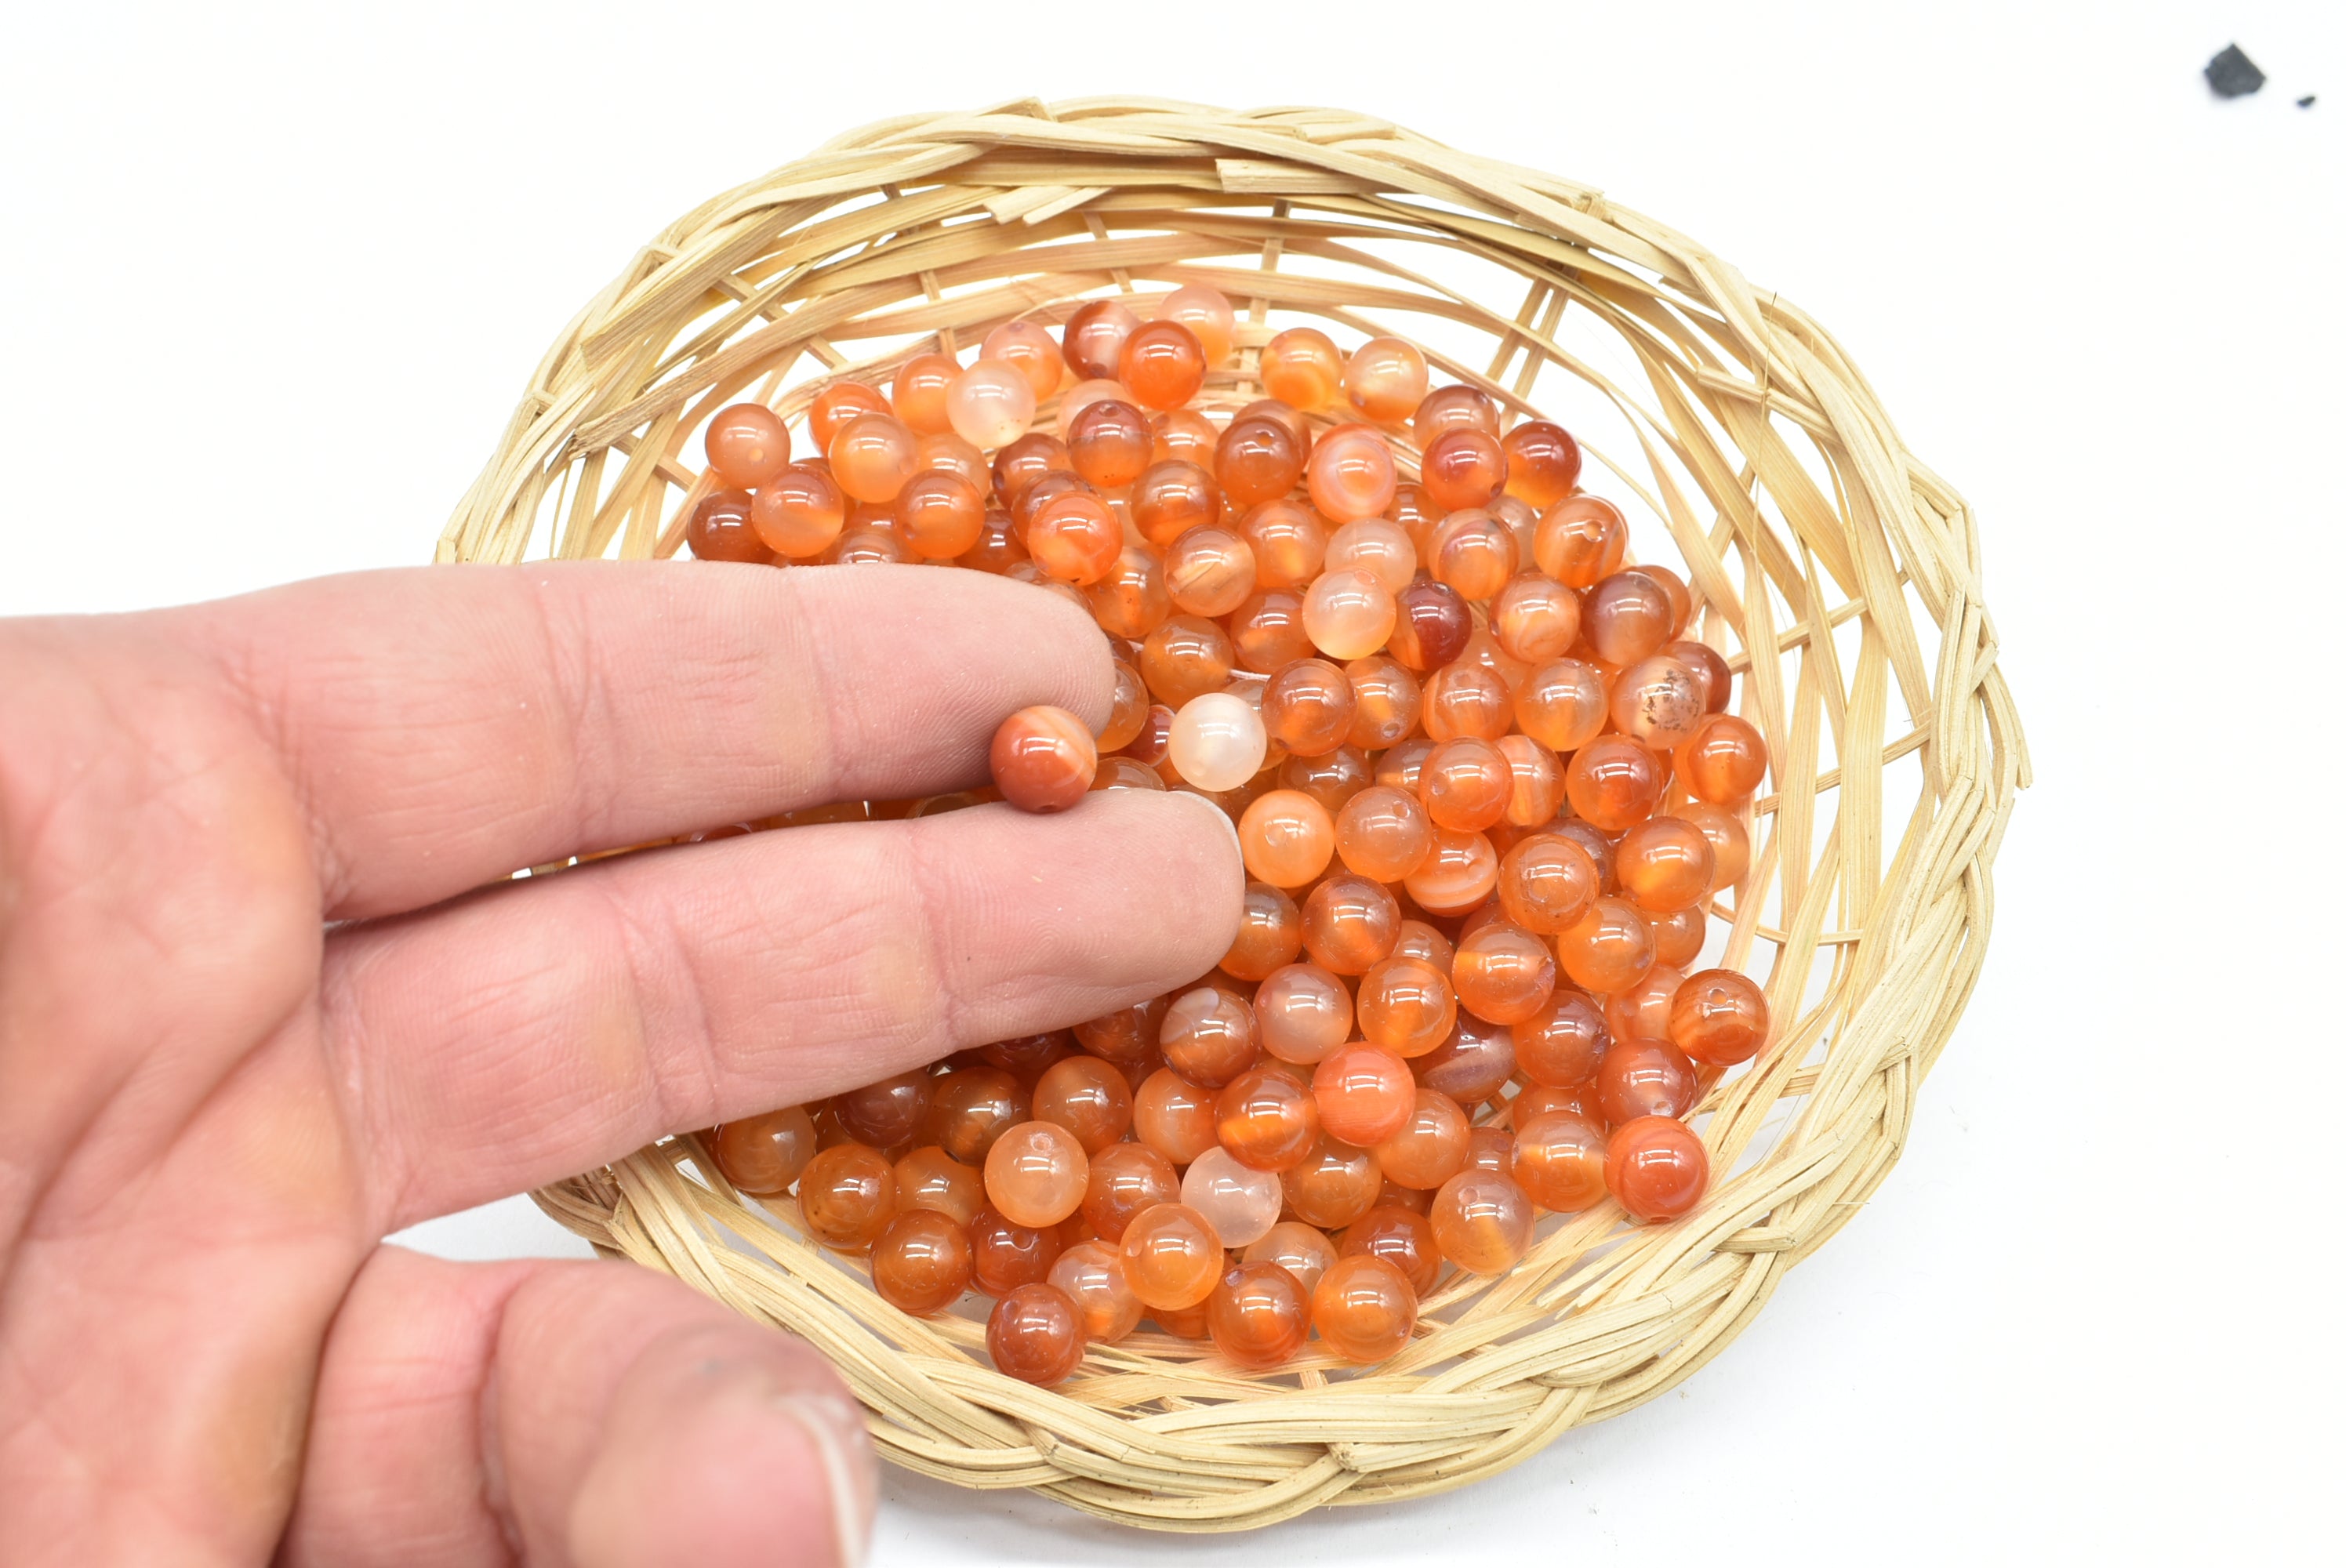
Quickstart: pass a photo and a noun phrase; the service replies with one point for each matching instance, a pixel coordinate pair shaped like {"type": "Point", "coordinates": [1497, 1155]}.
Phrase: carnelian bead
{"type": "Point", "coordinates": [1209, 570]}
{"type": "Point", "coordinates": [920, 1263]}
{"type": "Point", "coordinates": [1109, 443]}
{"type": "Point", "coordinates": [1402, 1238]}
{"type": "Point", "coordinates": [1090, 1274]}
{"type": "Point", "coordinates": [1472, 1065]}
{"type": "Point", "coordinates": [1719, 1017]}
{"type": "Point", "coordinates": [1302, 1249]}
{"type": "Point", "coordinates": [1125, 1037]}
{"type": "Point", "coordinates": [1473, 552]}
{"type": "Point", "coordinates": [1035, 1174]}
{"type": "Point", "coordinates": [1656, 1167]}
{"type": "Point", "coordinates": [1491, 1150]}
{"type": "Point", "coordinates": [1385, 380]}
{"type": "Point", "coordinates": [1270, 933]}
{"type": "Point", "coordinates": [1431, 625]}
{"type": "Point", "coordinates": [1307, 708]}
{"type": "Point", "coordinates": [1657, 701]}
{"type": "Point", "coordinates": [1187, 658]}
{"type": "Point", "coordinates": [1562, 1046]}
{"type": "Point", "coordinates": [873, 455]}
{"type": "Point", "coordinates": [1288, 543]}
{"type": "Point", "coordinates": [1613, 781]}
{"type": "Point", "coordinates": [1164, 364]}
{"type": "Point", "coordinates": [1464, 467]}
{"type": "Point", "coordinates": [1643, 1011]}
{"type": "Point", "coordinates": [1331, 778]}
{"type": "Point", "coordinates": [1581, 541]}
{"type": "Point", "coordinates": [1024, 1057]}
{"type": "Point", "coordinates": [1258, 1315]}
{"type": "Point", "coordinates": [1302, 1012]}
{"type": "Point", "coordinates": [998, 548]}
{"type": "Point", "coordinates": [1559, 1161]}
{"type": "Point", "coordinates": [1267, 632]}
{"type": "Point", "coordinates": [1387, 702]}
{"type": "Point", "coordinates": [747, 445]}
{"type": "Point", "coordinates": [1465, 784]}
{"type": "Point", "coordinates": [1538, 792]}
{"type": "Point", "coordinates": [1087, 1097]}
{"type": "Point", "coordinates": [1333, 1185]}
{"type": "Point", "coordinates": [1093, 340]}
{"type": "Point", "coordinates": [1673, 588]}
{"type": "Point", "coordinates": [1128, 711]}
{"type": "Point", "coordinates": [846, 1196]}
{"type": "Point", "coordinates": [1084, 394]}
{"type": "Point", "coordinates": [888, 1112]}
{"type": "Point", "coordinates": [1374, 545]}
{"type": "Point", "coordinates": [1130, 601]}
{"type": "Point", "coordinates": [991, 404]}
{"type": "Point", "coordinates": [1422, 942]}
{"type": "Point", "coordinates": [1043, 758]}
{"type": "Point", "coordinates": [1454, 407]}
{"type": "Point", "coordinates": [763, 1154]}
{"type": "Point", "coordinates": [1364, 1309]}
{"type": "Point", "coordinates": [1710, 670]}
{"type": "Point", "coordinates": [1610, 950]}
{"type": "Point", "coordinates": [1350, 476]}
{"type": "Point", "coordinates": [1456, 874]}
{"type": "Point", "coordinates": [946, 452]}
{"type": "Point", "coordinates": [1206, 310]}
{"type": "Point", "coordinates": [1464, 698]}
{"type": "Point", "coordinates": [1286, 838]}
{"type": "Point", "coordinates": [929, 1177]}
{"type": "Point", "coordinates": [1183, 1323]}
{"type": "Point", "coordinates": [1349, 924]}
{"type": "Point", "coordinates": [866, 545]}
{"type": "Point", "coordinates": [1171, 1257]}
{"type": "Point", "coordinates": [1208, 1036]}
{"type": "Point", "coordinates": [1348, 615]}
{"type": "Point", "coordinates": [1679, 936]}
{"type": "Point", "coordinates": [1543, 462]}
{"type": "Point", "coordinates": [919, 393]}
{"type": "Point", "coordinates": [799, 512]}
{"type": "Point", "coordinates": [1265, 1118]}
{"type": "Point", "coordinates": [1431, 1147]}
{"type": "Point", "coordinates": [1004, 1256]}
{"type": "Point", "coordinates": [1173, 1116]}
{"type": "Point", "coordinates": [1481, 1222]}
{"type": "Point", "coordinates": [1730, 842]}
{"type": "Point", "coordinates": [1125, 1179]}
{"type": "Point", "coordinates": [1406, 1006]}
{"type": "Point", "coordinates": [1644, 1078]}
{"type": "Point", "coordinates": [1626, 617]}
{"type": "Point", "coordinates": [1301, 368]}
{"type": "Point", "coordinates": [1036, 1335]}
{"type": "Point", "coordinates": [1561, 705]}
{"type": "Point", "coordinates": [1535, 619]}
{"type": "Point", "coordinates": [1238, 1201]}
{"type": "Point", "coordinates": [838, 405]}
{"type": "Point", "coordinates": [1413, 515]}
{"type": "Point", "coordinates": [721, 529]}
{"type": "Point", "coordinates": [1596, 843]}
{"type": "Point", "coordinates": [1383, 833]}
{"type": "Point", "coordinates": [1724, 760]}
{"type": "Point", "coordinates": [1365, 1094]}
{"type": "Point", "coordinates": [1503, 972]}
{"type": "Point", "coordinates": [940, 514]}
{"type": "Point", "coordinates": [1256, 459]}
{"type": "Point", "coordinates": [1018, 465]}
{"type": "Point", "coordinates": [1665, 864]}
{"type": "Point", "coordinates": [1538, 1099]}
{"type": "Point", "coordinates": [1028, 348]}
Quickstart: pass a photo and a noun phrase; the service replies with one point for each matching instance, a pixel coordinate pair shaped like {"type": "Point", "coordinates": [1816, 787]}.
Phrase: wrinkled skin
{"type": "Point", "coordinates": [267, 995]}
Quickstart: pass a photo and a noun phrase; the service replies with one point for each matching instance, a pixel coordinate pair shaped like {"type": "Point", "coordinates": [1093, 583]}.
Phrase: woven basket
{"type": "Point", "coordinates": [1837, 571]}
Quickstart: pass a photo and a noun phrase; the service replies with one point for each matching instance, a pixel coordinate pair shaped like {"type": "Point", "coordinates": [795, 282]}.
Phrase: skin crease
{"type": "Point", "coordinates": [266, 994]}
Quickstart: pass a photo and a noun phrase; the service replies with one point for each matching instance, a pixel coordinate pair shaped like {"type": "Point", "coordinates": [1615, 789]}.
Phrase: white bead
{"type": "Point", "coordinates": [1241, 1204]}
{"type": "Point", "coordinates": [1217, 741]}
{"type": "Point", "coordinates": [990, 404]}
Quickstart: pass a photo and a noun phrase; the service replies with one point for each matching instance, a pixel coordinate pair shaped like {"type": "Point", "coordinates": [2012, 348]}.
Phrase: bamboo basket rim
{"type": "Point", "coordinates": [922, 232]}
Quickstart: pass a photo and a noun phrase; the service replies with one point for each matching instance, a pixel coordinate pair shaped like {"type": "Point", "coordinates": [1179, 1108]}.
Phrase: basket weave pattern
{"type": "Point", "coordinates": [1840, 575]}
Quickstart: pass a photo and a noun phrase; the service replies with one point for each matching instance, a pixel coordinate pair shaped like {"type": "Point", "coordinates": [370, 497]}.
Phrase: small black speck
{"type": "Point", "coordinates": [2232, 75]}
{"type": "Point", "coordinates": [2306, 102]}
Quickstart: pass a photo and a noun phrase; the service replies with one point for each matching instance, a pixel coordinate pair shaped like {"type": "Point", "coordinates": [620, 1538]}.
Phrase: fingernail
{"type": "Point", "coordinates": [835, 1431]}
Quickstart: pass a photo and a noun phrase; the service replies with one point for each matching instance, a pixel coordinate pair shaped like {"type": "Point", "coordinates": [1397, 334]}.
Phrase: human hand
{"type": "Point", "coordinates": [265, 998]}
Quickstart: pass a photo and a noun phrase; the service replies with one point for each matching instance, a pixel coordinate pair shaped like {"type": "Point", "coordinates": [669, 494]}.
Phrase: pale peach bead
{"type": "Point", "coordinates": [1482, 1222]}
{"type": "Point", "coordinates": [1085, 393]}
{"type": "Point", "coordinates": [1458, 873]}
{"type": "Point", "coordinates": [1207, 311]}
{"type": "Point", "coordinates": [1385, 380]}
{"type": "Point", "coordinates": [1239, 1203]}
{"type": "Point", "coordinates": [1301, 1012]}
{"type": "Point", "coordinates": [1210, 571]}
{"type": "Point", "coordinates": [1303, 1250]}
{"type": "Point", "coordinates": [1539, 782]}
{"type": "Point", "coordinates": [1302, 368]}
{"type": "Point", "coordinates": [1375, 545]}
{"type": "Point", "coordinates": [1350, 474]}
{"type": "Point", "coordinates": [1474, 552]}
{"type": "Point", "coordinates": [1037, 1174]}
{"type": "Point", "coordinates": [1092, 1275]}
{"type": "Point", "coordinates": [1348, 615]}
{"type": "Point", "coordinates": [1028, 348]}
{"type": "Point", "coordinates": [1659, 700]}
{"type": "Point", "coordinates": [991, 404]}
{"type": "Point", "coordinates": [1217, 741]}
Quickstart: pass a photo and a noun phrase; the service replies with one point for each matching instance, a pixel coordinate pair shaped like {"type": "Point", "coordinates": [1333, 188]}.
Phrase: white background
{"type": "Point", "coordinates": [271, 282]}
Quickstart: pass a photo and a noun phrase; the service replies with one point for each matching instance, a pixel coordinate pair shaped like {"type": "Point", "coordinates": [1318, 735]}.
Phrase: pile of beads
{"type": "Point", "coordinates": [1484, 786]}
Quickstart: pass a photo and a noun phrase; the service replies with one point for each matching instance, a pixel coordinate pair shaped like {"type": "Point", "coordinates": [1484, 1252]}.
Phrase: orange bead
{"type": "Point", "coordinates": [1256, 459]}
{"type": "Point", "coordinates": [1454, 407]}
{"type": "Point", "coordinates": [1350, 924]}
{"type": "Point", "coordinates": [1387, 702]}
{"type": "Point", "coordinates": [1036, 1335]}
{"type": "Point", "coordinates": [1084, 394]}
{"type": "Point", "coordinates": [940, 514]}
{"type": "Point", "coordinates": [1171, 1257]}
{"type": "Point", "coordinates": [1087, 1097]}
{"type": "Point", "coordinates": [1126, 1036]}
{"type": "Point", "coordinates": [1538, 1099]}
{"type": "Point", "coordinates": [1464, 698]}
{"type": "Point", "coordinates": [1710, 669]}
{"type": "Point", "coordinates": [1543, 462]}
{"type": "Point", "coordinates": [1384, 381]}
{"type": "Point", "coordinates": [1257, 1315]}
{"type": "Point", "coordinates": [1350, 475]}
{"type": "Point", "coordinates": [1125, 1179]}
{"type": "Point", "coordinates": [1128, 711]}
{"type": "Point", "coordinates": [1028, 348]}
{"type": "Point", "coordinates": [1091, 1276]}
{"type": "Point", "coordinates": [1406, 1006]}
{"type": "Point", "coordinates": [1594, 843]}
{"type": "Point", "coordinates": [1298, 1248]}
{"type": "Point", "coordinates": [1383, 834]}
{"type": "Point", "coordinates": [866, 545]}
{"type": "Point", "coordinates": [1457, 874]}
{"type": "Point", "coordinates": [1679, 936]}
{"type": "Point", "coordinates": [1644, 1078]}
{"type": "Point", "coordinates": [1043, 758]}
{"type": "Point", "coordinates": [919, 394]}
{"type": "Point", "coordinates": [1004, 1256]}
{"type": "Point", "coordinates": [929, 1177]}
{"type": "Point", "coordinates": [1163, 362]}
{"type": "Point", "coordinates": [920, 1263]}
{"type": "Point", "coordinates": [1025, 460]}
{"type": "Point", "coordinates": [1465, 785]}
{"type": "Point", "coordinates": [1422, 943]}
{"type": "Point", "coordinates": [1130, 601]}
{"type": "Point", "coordinates": [887, 1112]}
{"type": "Point", "coordinates": [1024, 1057]}
{"type": "Point", "coordinates": [1037, 1174]}
{"type": "Point", "coordinates": [1491, 1150]}
{"type": "Point", "coordinates": [1267, 632]}
{"type": "Point", "coordinates": [1643, 1011]}
{"type": "Point", "coordinates": [1472, 1065]}
{"type": "Point", "coordinates": [1301, 368]}
{"type": "Point", "coordinates": [1559, 1161]}
{"type": "Point", "coordinates": [1365, 1094]}
{"type": "Point", "coordinates": [1665, 864]}
{"type": "Point", "coordinates": [1673, 588]}
{"type": "Point", "coordinates": [1333, 1185]}
{"type": "Point", "coordinates": [1265, 1118]}
{"type": "Point", "coordinates": [799, 512]}
{"type": "Point", "coordinates": [1724, 760]}
{"type": "Point", "coordinates": [763, 1154]}
{"type": "Point", "coordinates": [1656, 1167]}
{"type": "Point", "coordinates": [1287, 544]}
{"type": "Point", "coordinates": [1331, 777]}
{"type": "Point", "coordinates": [1270, 933]}
{"type": "Point", "coordinates": [1074, 538]}
{"type": "Point", "coordinates": [1364, 1309]}
{"type": "Point", "coordinates": [1431, 1147]}
{"type": "Point", "coordinates": [1308, 708]}
{"type": "Point", "coordinates": [1562, 1045]}
{"type": "Point", "coordinates": [1093, 341]}
{"type": "Point", "coordinates": [1302, 1012]}
{"type": "Point", "coordinates": [1581, 541]}
{"type": "Point", "coordinates": [747, 445]}
{"type": "Point", "coordinates": [1208, 1036]}
{"type": "Point", "coordinates": [1658, 701]}
{"type": "Point", "coordinates": [1464, 467]}
{"type": "Point", "coordinates": [838, 405]}
{"type": "Point", "coordinates": [1174, 1116]}
{"type": "Point", "coordinates": [1209, 570]}
{"type": "Point", "coordinates": [846, 1196]}
{"type": "Point", "coordinates": [1206, 310]}
{"type": "Point", "coordinates": [1627, 617]}
{"type": "Point", "coordinates": [1402, 1238]}
{"type": "Point", "coordinates": [1503, 973]}
{"type": "Point", "coordinates": [1286, 838]}
{"type": "Point", "coordinates": [872, 456]}
{"type": "Point", "coordinates": [1731, 842]}
{"type": "Point", "coordinates": [1348, 615]}
{"type": "Point", "coordinates": [1481, 1222]}
{"type": "Point", "coordinates": [1535, 619]}
{"type": "Point", "coordinates": [1614, 783]}
{"type": "Point", "coordinates": [1561, 705]}
{"type": "Point", "coordinates": [1719, 1017]}
{"type": "Point", "coordinates": [1473, 552]}
{"type": "Point", "coordinates": [721, 529]}
{"type": "Point", "coordinates": [1184, 658]}
{"type": "Point", "coordinates": [1610, 950]}
{"type": "Point", "coordinates": [1538, 781]}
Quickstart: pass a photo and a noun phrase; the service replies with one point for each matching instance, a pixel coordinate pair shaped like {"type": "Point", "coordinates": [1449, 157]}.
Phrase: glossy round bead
{"type": "Point", "coordinates": [1384, 380]}
{"type": "Point", "coordinates": [1644, 1078]}
{"type": "Point", "coordinates": [1610, 950]}
{"type": "Point", "coordinates": [1481, 1222]}
{"type": "Point", "coordinates": [1267, 632]}
{"type": "Point", "coordinates": [1303, 1250]}
{"type": "Point", "coordinates": [1464, 699]}
{"type": "Point", "coordinates": [887, 1112]}
{"type": "Point", "coordinates": [1491, 1150]}
{"type": "Point", "coordinates": [1109, 443]}
{"type": "Point", "coordinates": [992, 403]}
{"type": "Point", "coordinates": [1093, 340]}
{"type": "Point", "coordinates": [1331, 777]}
{"type": "Point", "coordinates": [1350, 476]}
{"type": "Point", "coordinates": [1173, 1116]}
{"type": "Point", "coordinates": [1043, 758]}
{"type": "Point", "coordinates": [1383, 834]}
{"type": "Point", "coordinates": [871, 457]}
{"type": "Point", "coordinates": [1128, 711]}
{"type": "Point", "coordinates": [1627, 617]}
{"type": "Point", "coordinates": [1089, 1097]}
{"type": "Point", "coordinates": [799, 512]}
{"type": "Point", "coordinates": [1431, 625]}
{"type": "Point", "coordinates": [1301, 368]}
{"type": "Point", "coordinates": [1503, 973]}
{"type": "Point", "coordinates": [1535, 619]}
{"type": "Point", "coordinates": [1184, 658]}
{"type": "Point", "coordinates": [838, 405]}
{"type": "Point", "coordinates": [1614, 783]}
{"type": "Point", "coordinates": [1017, 466]}
{"type": "Point", "coordinates": [1004, 1256]}
{"type": "Point", "coordinates": [1543, 462]}
{"type": "Point", "coordinates": [1431, 1147]}
{"type": "Point", "coordinates": [1581, 541]}
{"type": "Point", "coordinates": [1673, 588]}
{"type": "Point", "coordinates": [1256, 459]}
{"type": "Point", "coordinates": [1258, 1315]}
{"type": "Point", "coordinates": [721, 529]}
{"type": "Point", "coordinates": [1209, 570]}
{"type": "Point", "coordinates": [1082, 394]}
{"type": "Point", "coordinates": [1217, 741]}
{"type": "Point", "coordinates": [1348, 615]}
{"type": "Point", "coordinates": [846, 1196]}
{"type": "Point", "coordinates": [1036, 1335]}
{"type": "Point", "coordinates": [1406, 1006]}
{"type": "Point", "coordinates": [1457, 874]}
{"type": "Point", "coordinates": [998, 550]}
{"type": "Point", "coordinates": [1719, 1017]}
{"type": "Point", "coordinates": [1364, 1309]}
{"type": "Point", "coordinates": [1387, 702]}
{"type": "Point", "coordinates": [1466, 784]}
{"type": "Point", "coordinates": [1240, 1202]}
{"type": "Point", "coordinates": [921, 1264]}
{"type": "Point", "coordinates": [1656, 1168]}
{"type": "Point", "coordinates": [1420, 941]}
{"type": "Point", "coordinates": [1266, 1119]}
{"type": "Point", "coordinates": [1710, 670]}
{"type": "Point", "coordinates": [1286, 838]}
{"type": "Point", "coordinates": [1126, 1036]}
{"type": "Point", "coordinates": [1561, 705]}
{"type": "Point", "coordinates": [1333, 1185]}
{"type": "Point", "coordinates": [1074, 538]}
{"type": "Point", "coordinates": [1365, 1094]}
{"type": "Point", "coordinates": [1129, 601]}
{"type": "Point", "coordinates": [1163, 362]}
{"type": "Point", "coordinates": [929, 1177]}
{"type": "Point", "coordinates": [1559, 1161]}
{"type": "Point", "coordinates": [1474, 552]}
{"type": "Point", "coordinates": [1208, 1036]}
{"type": "Point", "coordinates": [1308, 708]}
{"type": "Point", "coordinates": [1402, 1238]}
{"type": "Point", "coordinates": [1028, 348]}
{"type": "Point", "coordinates": [1090, 1274]}
{"type": "Point", "coordinates": [1546, 884]}
{"type": "Point", "coordinates": [1665, 864]}
{"type": "Point", "coordinates": [1657, 701]}
{"type": "Point", "coordinates": [940, 514]}
{"type": "Point", "coordinates": [919, 394]}
{"type": "Point", "coordinates": [1036, 1175]}
{"type": "Point", "coordinates": [1454, 407]}
{"type": "Point", "coordinates": [763, 1154]}
{"type": "Point", "coordinates": [747, 445]}
{"type": "Point", "coordinates": [1024, 1057]}
{"type": "Point", "coordinates": [1172, 1256]}
{"type": "Point", "coordinates": [1679, 936]}
{"type": "Point", "coordinates": [1730, 842]}
{"type": "Point", "coordinates": [1723, 761]}
{"type": "Point", "coordinates": [1206, 310]}
{"type": "Point", "coordinates": [1464, 467]}
{"type": "Point", "coordinates": [1350, 924]}
{"type": "Point", "coordinates": [1538, 781]}
{"type": "Point", "coordinates": [1287, 542]}
{"type": "Point", "coordinates": [866, 543]}
{"type": "Point", "coordinates": [1643, 1011]}
{"type": "Point", "coordinates": [1562, 1046]}
{"type": "Point", "coordinates": [1538, 1100]}
{"type": "Point", "coordinates": [1472, 1065]}
{"type": "Point", "coordinates": [1270, 933]}
{"type": "Point", "coordinates": [1173, 496]}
